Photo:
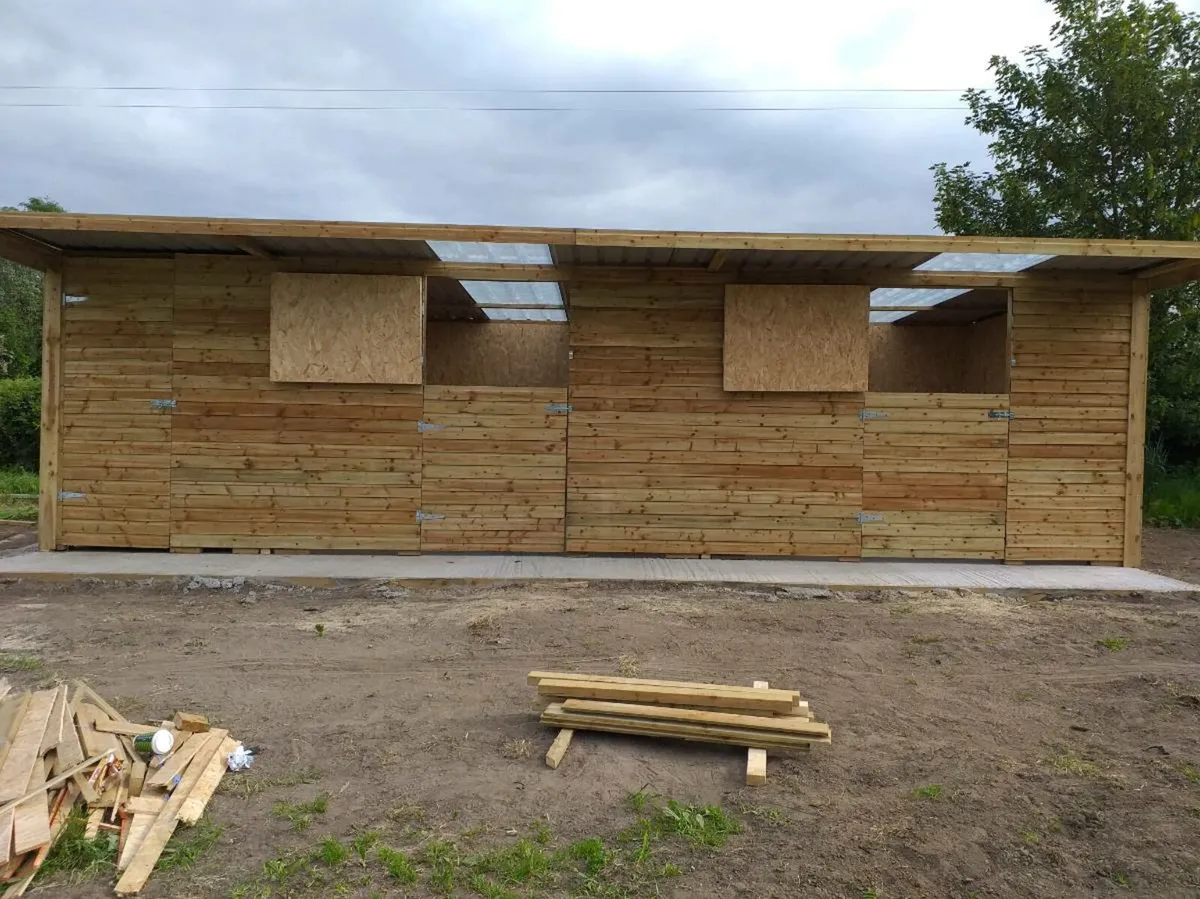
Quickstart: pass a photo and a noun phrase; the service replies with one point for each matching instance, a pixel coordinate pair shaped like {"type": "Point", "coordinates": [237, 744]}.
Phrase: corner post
{"type": "Point", "coordinates": [51, 415]}
{"type": "Point", "coordinates": [1135, 446]}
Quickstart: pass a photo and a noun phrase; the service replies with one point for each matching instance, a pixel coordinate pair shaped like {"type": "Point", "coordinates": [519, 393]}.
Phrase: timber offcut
{"type": "Point", "coordinates": [276, 386]}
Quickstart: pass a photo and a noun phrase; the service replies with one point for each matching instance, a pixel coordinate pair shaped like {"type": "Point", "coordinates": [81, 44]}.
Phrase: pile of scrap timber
{"type": "Point", "coordinates": [756, 717]}
{"type": "Point", "coordinates": [66, 747]}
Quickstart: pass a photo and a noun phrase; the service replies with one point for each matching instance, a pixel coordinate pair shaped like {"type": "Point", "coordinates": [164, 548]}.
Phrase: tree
{"type": "Point", "coordinates": [1099, 137]}
{"type": "Point", "coordinates": [21, 307]}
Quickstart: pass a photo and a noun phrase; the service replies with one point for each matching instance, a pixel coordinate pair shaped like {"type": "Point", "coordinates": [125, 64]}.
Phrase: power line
{"type": "Point", "coordinates": [489, 90]}
{"type": "Point", "coordinates": [389, 108]}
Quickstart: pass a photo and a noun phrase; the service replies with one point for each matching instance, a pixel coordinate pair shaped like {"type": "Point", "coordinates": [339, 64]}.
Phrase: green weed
{"type": "Point", "coordinates": [281, 870]}
{"type": "Point", "coordinates": [637, 800]}
{"type": "Point", "coordinates": [1120, 878]}
{"type": "Point", "coordinates": [14, 661]}
{"type": "Point", "coordinates": [703, 825]}
{"type": "Point", "coordinates": [332, 853]}
{"type": "Point", "coordinates": [188, 844]}
{"type": "Point", "coordinates": [523, 862]}
{"type": "Point", "coordinates": [593, 853]}
{"type": "Point", "coordinates": [1173, 500]}
{"type": "Point", "coordinates": [925, 639]}
{"type": "Point", "coordinates": [1030, 837]}
{"type": "Point", "coordinates": [16, 488]}
{"type": "Point", "coordinates": [489, 889]}
{"type": "Point", "coordinates": [1191, 772]}
{"type": "Point", "coordinates": [77, 857]}
{"type": "Point", "coordinates": [247, 785]}
{"type": "Point", "coordinates": [320, 629]}
{"type": "Point", "coordinates": [397, 864]}
{"type": "Point", "coordinates": [301, 814]}
{"type": "Point", "coordinates": [1069, 763]}
{"type": "Point", "coordinates": [1113, 644]}
{"type": "Point", "coordinates": [442, 858]}
{"type": "Point", "coordinates": [363, 843]}
{"type": "Point", "coordinates": [932, 791]}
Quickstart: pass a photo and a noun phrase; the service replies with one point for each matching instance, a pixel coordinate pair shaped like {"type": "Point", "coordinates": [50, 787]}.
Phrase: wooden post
{"type": "Point", "coordinates": [51, 418]}
{"type": "Point", "coordinates": [1135, 447]}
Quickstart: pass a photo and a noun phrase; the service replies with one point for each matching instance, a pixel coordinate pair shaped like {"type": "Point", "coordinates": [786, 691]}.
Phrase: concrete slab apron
{"type": "Point", "coordinates": [947, 575]}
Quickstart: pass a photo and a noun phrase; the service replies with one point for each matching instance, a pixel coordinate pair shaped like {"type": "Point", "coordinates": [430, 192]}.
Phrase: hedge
{"type": "Point", "coordinates": [20, 410]}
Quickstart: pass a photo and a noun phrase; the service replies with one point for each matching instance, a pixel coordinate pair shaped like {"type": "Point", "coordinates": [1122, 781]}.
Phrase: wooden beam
{"type": "Point", "coordinates": [27, 251]}
{"type": "Point", "coordinates": [719, 258]}
{"type": "Point", "coordinates": [554, 755]}
{"type": "Point", "coordinates": [756, 759]}
{"type": "Point", "coordinates": [252, 247]}
{"type": "Point", "coordinates": [1135, 437]}
{"type": "Point", "coordinates": [49, 526]}
{"type": "Point", "coordinates": [1171, 274]}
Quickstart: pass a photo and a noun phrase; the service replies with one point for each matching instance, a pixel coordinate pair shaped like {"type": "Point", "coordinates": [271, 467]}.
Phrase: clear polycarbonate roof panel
{"type": "Point", "coordinates": [500, 314]}
{"type": "Point", "coordinates": [982, 262]}
{"type": "Point", "coordinates": [496, 253]}
{"type": "Point", "coordinates": [913, 296]}
{"type": "Point", "coordinates": [886, 318]}
{"type": "Point", "coordinates": [514, 293]}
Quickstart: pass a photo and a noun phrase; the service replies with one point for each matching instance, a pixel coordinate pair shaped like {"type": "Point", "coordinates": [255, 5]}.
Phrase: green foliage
{"type": "Point", "coordinates": [933, 791]}
{"type": "Point", "coordinates": [21, 307]}
{"type": "Point", "coordinates": [16, 661]}
{"type": "Point", "coordinates": [1096, 137]}
{"type": "Point", "coordinates": [703, 825]}
{"type": "Point", "coordinates": [301, 814]}
{"type": "Point", "coordinates": [187, 844]}
{"type": "Point", "coordinates": [77, 857]}
{"type": "Point", "coordinates": [332, 852]}
{"type": "Point", "coordinates": [1173, 500]}
{"type": "Point", "coordinates": [20, 425]}
{"type": "Point", "coordinates": [1113, 644]}
{"type": "Point", "coordinates": [397, 864]}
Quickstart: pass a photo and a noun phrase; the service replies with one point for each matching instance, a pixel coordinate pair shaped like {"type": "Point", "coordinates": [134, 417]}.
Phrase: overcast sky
{"type": "Point", "coordinates": [657, 165]}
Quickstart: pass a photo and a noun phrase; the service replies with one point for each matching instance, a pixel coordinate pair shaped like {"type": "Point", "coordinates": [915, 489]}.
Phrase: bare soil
{"type": "Point", "coordinates": [1065, 768]}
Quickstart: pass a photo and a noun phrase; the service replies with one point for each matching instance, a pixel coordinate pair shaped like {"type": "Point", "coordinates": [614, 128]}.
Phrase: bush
{"type": "Point", "coordinates": [20, 425]}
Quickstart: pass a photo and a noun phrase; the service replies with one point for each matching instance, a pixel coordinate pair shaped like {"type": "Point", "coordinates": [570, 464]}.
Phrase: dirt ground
{"type": "Point", "coordinates": [983, 745]}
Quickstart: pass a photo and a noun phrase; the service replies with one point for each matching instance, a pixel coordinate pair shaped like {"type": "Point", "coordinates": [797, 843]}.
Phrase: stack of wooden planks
{"type": "Point", "coordinates": [756, 717]}
{"type": "Point", "coordinates": [66, 746]}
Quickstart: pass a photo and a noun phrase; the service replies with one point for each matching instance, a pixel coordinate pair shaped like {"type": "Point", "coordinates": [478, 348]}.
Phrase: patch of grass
{"type": "Point", "coordinates": [363, 843]}
{"type": "Point", "coordinates": [187, 844]}
{"type": "Point", "coordinates": [593, 853]}
{"type": "Point", "coordinates": [397, 865]}
{"type": "Point", "coordinates": [703, 825]}
{"type": "Point", "coordinates": [638, 799]}
{"type": "Point", "coordinates": [489, 889]}
{"type": "Point", "coordinates": [78, 858]}
{"type": "Point", "coordinates": [932, 791]}
{"type": "Point", "coordinates": [332, 853]}
{"type": "Point", "coordinates": [516, 749]}
{"type": "Point", "coordinates": [627, 665]}
{"type": "Point", "coordinates": [1173, 500]}
{"type": "Point", "coordinates": [764, 813]}
{"type": "Point", "coordinates": [870, 894]}
{"type": "Point", "coordinates": [442, 858]}
{"type": "Point", "coordinates": [320, 629]}
{"type": "Point", "coordinates": [523, 862]}
{"type": "Point", "coordinates": [1030, 837]}
{"type": "Point", "coordinates": [301, 814]}
{"type": "Point", "coordinates": [14, 661]}
{"type": "Point", "coordinates": [1024, 696]}
{"type": "Point", "coordinates": [541, 833]}
{"type": "Point", "coordinates": [15, 485]}
{"type": "Point", "coordinates": [925, 639]}
{"type": "Point", "coordinates": [1120, 878]}
{"type": "Point", "coordinates": [247, 785]}
{"type": "Point", "coordinates": [281, 870]}
{"type": "Point", "coordinates": [1191, 772]}
{"type": "Point", "coordinates": [1070, 763]}
{"type": "Point", "coordinates": [405, 812]}
{"type": "Point", "coordinates": [1113, 644]}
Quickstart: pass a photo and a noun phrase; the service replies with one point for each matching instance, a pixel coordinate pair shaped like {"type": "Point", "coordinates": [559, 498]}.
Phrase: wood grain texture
{"type": "Point", "coordinates": [796, 338]}
{"type": "Point", "coordinates": [497, 354]}
{"type": "Point", "coordinates": [968, 358]}
{"type": "Point", "coordinates": [51, 411]}
{"type": "Point", "coordinates": [1070, 386]}
{"type": "Point", "coordinates": [347, 329]}
{"type": "Point", "coordinates": [1135, 445]}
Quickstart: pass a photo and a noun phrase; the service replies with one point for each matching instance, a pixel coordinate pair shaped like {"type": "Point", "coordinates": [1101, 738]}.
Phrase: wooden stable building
{"type": "Point", "coordinates": [279, 385]}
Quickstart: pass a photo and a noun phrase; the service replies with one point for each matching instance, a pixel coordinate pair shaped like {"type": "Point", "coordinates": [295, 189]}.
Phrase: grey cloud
{"type": "Point", "coordinates": [703, 170]}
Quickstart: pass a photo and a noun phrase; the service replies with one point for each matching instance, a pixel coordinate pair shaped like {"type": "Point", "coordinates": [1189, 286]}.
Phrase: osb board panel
{"type": "Point", "coordinates": [497, 354]}
{"type": "Point", "coordinates": [116, 451]}
{"type": "Point", "coordinates": [796, 338]}
{"type": "Point", "coordinates": [967, 358]}
{"type": "Point", "coordinates": [934, 476]}
{"type": "Point", "coordinates": [661, 459]}
{"type": "Point", "coordinates": [494, 470]}
{"type": "Point", "coordinates": [347, 329]}
{"type": "Point", "coordinates": [261, 464]}
{"type": "Point", "coordinates": [1069, 393]}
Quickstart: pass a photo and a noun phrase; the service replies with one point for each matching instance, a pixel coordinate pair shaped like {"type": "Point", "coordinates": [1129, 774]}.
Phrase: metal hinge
{"type": "Point", "coordinates": [72, 298]}
{"type": "Point", "coordinates": [871, 415]}
{"type": "Point", "coordinates": [162, 404]}
{"type": "Point", "coordinates": [423, 426]}
{"type": "Point", "coordinates": [866, 517]}
{"type": "Point", "coordinates": [1002, 413]}
{"type": "Point", "coordinates": [558, 408]}
{"type": "Point", "coordinates": [70, 494]}
{"type": "Point", "coordinates": [422, 515]}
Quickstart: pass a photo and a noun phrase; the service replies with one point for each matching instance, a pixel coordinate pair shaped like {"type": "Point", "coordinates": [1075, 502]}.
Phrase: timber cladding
{"type": "Point", "coordinates": [175, 435]}
{"type": "Point", "coordinates": [661, 459]}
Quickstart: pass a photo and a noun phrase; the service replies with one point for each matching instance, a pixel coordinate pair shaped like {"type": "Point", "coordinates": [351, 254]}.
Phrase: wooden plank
{"type": "Point", "coordinates": [704, 733]}
{"type": "Point", "coordinates": [347, 329]}
{"type": "Point", "coordinates": [792, 338]}
{"type": "Point", "coordinates": [51, 413]}
{"type": "Point", "coordinates": [52, 782]}
{"type": "Point", "coordinates": [190, 722]}
{"type": "Point", "coordinates": [193, 807]}
{"type": "Point", "coordinates": [25, 751]}
{"type": "Point", "coordinates": [756, 759]}
{"type": "Point", "coordinates": [56, 724]}
{"type": "Point", "coordinates": [554, 755]}
{"type": "Point", "coordinates": [770, 700]}
{"type": "Point", "coordinates": [139, 826]}
{"type": "Point", "coordinates": [137, 872]}
{"type": "Point", "coordinates": [1135, 443]}
{"type": "Point", "coordinates": [182, 758]}
{"type": "Point", "coordinates": [775, 724]}
{"type": "Point", "coordinates": [31, 816]}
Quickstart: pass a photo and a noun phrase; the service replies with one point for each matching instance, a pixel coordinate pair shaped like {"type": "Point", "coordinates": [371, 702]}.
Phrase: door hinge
{"type": "Point", "coordinates": [70, 494]}
{"type": "Point", "coordinates": [422, 515]}
{"type": "Point", "coordinates": [558, 408]}
{"type": "Point", "coordinates": [871, 415]}
{"type": "Point", "coordinates": [1002, 413]}
{"type": "Point", "coordinates": [70, 299]}
{"type": "Point", "coordinates": [423, 426]}
{"type": "Point", "coordinates": [162, 404]}
{"type": "Point", "coordinates": [867, 517]}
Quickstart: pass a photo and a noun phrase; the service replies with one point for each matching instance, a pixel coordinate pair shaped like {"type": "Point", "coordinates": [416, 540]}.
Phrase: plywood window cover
{"type": "Point", "coordinates": [347, 329]}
